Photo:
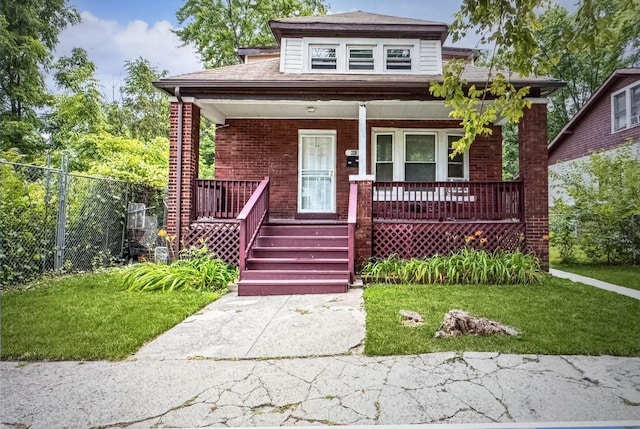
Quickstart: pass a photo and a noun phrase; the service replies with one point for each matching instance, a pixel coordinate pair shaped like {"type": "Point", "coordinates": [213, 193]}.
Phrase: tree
{"type": "Point", "coordinates": [28, 34]}
{"type": "Point", "coordinates": [217, 28]}
{"type": "Point", "coordinates": [584, 48]}
{"type": "Point", "coordinates": [602, 32]}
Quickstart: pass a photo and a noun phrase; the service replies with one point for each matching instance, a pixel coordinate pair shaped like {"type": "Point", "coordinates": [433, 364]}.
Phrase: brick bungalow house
{"type": "Point", "coordinates": [330, 149]}
{"type": "Point", "coordinates": [610, 118]}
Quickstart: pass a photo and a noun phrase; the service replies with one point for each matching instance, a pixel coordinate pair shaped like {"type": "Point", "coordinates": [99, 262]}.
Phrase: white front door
{"type": "Point", "coordinates": [316, 172]}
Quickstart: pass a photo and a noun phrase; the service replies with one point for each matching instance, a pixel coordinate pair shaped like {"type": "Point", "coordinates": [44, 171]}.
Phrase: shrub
{"type": "Point", "coordinates": [196, 269]}
{"type": "Point", "coordinates": [602, 199]}
{"type": "Point", "coordinates": [469, 266]}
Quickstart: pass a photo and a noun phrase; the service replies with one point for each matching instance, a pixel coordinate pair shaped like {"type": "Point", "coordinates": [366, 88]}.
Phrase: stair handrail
{"type": "Point", "coordinates": [251, 219]}
{"type": "Point", "coordinates": [351, 225]}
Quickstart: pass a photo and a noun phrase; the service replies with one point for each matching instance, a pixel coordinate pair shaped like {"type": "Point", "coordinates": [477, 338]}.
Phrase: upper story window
{"type": "Point", "coordinates": [361, 58]}
{"type": "Point", "coordinates": [323, 57]}
{"type": "Point", "coordinates": [398, 58]}
{"type": "Point", "coordinates": [625, 108]}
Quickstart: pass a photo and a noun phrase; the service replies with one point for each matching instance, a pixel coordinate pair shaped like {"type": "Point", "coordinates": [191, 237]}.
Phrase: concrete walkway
{"type": "Point", "coordinates": [597, 283]}
{"type": "Point", "coordinates": [294, 360]}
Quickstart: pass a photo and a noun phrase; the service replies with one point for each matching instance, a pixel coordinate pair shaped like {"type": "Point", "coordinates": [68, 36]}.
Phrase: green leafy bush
{"type": "Point", "coordinates": [466, 266]}
{"type": "Point", "coordinates": [600, 209]}
{"type": "Point", "coordinates": [196, 269]}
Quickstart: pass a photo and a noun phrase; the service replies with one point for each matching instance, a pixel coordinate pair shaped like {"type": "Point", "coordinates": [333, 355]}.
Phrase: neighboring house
{"type": "Point", "coordinates": [609, 119]}
{"type": "Point", "coordinates": [335, 151]}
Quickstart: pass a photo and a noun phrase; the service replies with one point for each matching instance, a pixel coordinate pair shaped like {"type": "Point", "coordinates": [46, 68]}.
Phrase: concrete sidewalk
{"type": "Point", "coordinates": [596, 283]}
{"type": "Point", "coordinates": [232, 364]}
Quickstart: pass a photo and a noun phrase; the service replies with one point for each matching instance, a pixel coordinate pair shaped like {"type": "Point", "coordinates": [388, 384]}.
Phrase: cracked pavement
{"type": "Point", "coordinates": [206, 386]}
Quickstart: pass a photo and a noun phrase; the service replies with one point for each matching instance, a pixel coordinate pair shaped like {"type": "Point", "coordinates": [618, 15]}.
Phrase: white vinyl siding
{"type": "Point", "coordinates": [430, 57]}
{"type": "Point", "coordinates": [625, 108]}
{"type": "Point", "coordinates": [291, 60]}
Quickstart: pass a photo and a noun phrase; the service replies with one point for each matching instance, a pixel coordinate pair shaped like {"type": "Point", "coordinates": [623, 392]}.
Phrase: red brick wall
{"type": "Point", "coordinates": [190, 150]}
{"type": "Point", "coordinates": [533, 172]}
{"type": "Point", "coordinates": [592, 132]}
{"type": "Point", "coordinates": [255, 148]}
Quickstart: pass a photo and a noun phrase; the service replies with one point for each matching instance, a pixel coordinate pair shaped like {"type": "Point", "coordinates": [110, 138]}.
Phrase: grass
{"type": "Point", "coordinates": [621, 275]}
{"type": "Point", "coordinates": [554, 317]}
{"type": "Point", "coordinates": [88, 317]}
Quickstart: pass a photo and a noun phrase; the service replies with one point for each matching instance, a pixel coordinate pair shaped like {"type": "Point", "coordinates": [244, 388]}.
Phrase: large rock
{"type": "Point", "coordinates": [459, 322]}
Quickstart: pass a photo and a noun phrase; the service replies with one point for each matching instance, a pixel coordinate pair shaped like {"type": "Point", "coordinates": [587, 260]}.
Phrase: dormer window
{"type": "Point", "coordinates": [323, 57]}
{"type": "Point", "coordinates": [398, 58]}
{"type": "Point", "coordinates": [361, 58]}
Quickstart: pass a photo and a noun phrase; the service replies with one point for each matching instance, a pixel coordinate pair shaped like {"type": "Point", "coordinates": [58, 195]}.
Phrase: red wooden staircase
{"type": "Point", "coordinates": [297, 258]}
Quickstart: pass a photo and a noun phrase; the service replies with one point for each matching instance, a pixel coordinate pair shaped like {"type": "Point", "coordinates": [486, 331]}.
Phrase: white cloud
{"type": "Point", "coordinates": [109, 44]}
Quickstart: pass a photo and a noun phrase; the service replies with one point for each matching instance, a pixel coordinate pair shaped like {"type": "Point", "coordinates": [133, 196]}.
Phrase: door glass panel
{"type": "Point", "coordinates": [317, 181]}
{"type": "Point", "coordinates": [316, 193]}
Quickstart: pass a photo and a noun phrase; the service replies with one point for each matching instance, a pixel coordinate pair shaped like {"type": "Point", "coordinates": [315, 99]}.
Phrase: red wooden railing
{"type": "Point", "coordinates": [351, 225]}
{"type": "Point", "coordinates": [221, 198]}
{"type": "Point", "coordinates": [448, 200]}
{"type": "Point", "coordinates": [251, 218]}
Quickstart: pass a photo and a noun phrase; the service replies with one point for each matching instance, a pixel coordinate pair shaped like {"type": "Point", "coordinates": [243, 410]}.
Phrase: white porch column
{"type": "Point", "coordinates": [362, 139]}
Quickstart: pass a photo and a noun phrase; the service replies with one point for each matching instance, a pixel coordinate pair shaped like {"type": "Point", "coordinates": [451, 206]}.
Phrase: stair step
{"type": "Point", "coordinates": [295, 274]}
{"type": "Point", "coordinates": [300, 252]}
{"type": "Point", "coordinates": [290, 287]}
{"type": "Point", "coordinates": [301, 241]}
{"type": "Point", "coordinates": [303, 230]}
{"type": "Point", "coordinates": [319, 264]}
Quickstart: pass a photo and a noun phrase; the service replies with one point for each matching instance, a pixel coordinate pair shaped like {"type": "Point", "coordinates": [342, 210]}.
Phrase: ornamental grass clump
{"type": "Point", "coordinates": [196, 269]}
{"type": "Point", "coordinates": [466, 266]}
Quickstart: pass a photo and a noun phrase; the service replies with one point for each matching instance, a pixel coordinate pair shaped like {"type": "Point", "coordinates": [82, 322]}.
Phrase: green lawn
{"type": "Point", "coordinates": [88, 317]}
{"type": "Point", "coordinates": [621, 275]}
{"type": "Point", "coordinates": [555, 317]}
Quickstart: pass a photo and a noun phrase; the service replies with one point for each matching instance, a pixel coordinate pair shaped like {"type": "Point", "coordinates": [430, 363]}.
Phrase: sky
{"type": "Point", "coordinates": [118, 30]}
{"type": "Point", "coordinates": [113, 31]}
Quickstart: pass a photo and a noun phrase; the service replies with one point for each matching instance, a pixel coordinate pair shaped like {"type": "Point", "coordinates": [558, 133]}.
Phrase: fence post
{"type": "Point", "coordinates": [62, 213]}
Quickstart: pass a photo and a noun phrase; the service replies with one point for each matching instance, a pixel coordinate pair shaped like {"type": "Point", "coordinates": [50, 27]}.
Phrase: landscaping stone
{"type": "Point", "coordinates": [411, 318]}
{"type": "Point", "coordinates": [459, 322]}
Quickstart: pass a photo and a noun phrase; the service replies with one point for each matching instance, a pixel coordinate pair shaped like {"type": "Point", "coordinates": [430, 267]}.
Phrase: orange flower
{"type": "Point", "coordinates": [483, 240]}
{"type": "Point", "coordinates": [545, 237]}
{"type": "Point", "coordinates": [478, 233]}
{"type": "Point", "coordinates": [162, 233]}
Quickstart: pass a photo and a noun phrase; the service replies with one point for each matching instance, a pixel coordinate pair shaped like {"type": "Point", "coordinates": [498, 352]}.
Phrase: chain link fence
{"type": "Point", "coordinates": [53, 220]}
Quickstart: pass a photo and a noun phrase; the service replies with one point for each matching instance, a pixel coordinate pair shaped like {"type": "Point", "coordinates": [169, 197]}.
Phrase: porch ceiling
{"type": "Point", "coordinates": [218, 111]}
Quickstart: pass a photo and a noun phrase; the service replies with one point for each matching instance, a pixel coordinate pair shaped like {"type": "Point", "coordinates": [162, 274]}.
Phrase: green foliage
{"type": "Point", "coordinates": [584, 48]}
{"type": "Point", "coordinates": [510, 152]}
{"type": "Point", "coordinates": [196, 270]}
{"type": "Point", "coordinates": [556, 316]}
{"type": "Point", "coordinates": [88, 316]}
{"type": "Point", "coordinates": [602, 203]}
{"type": "Point", "coordinates": [467, 266]}
{"type": "Point", "coordinates": [217, 28]}
{"type": "Point", "coordinates": [28, 35]}
{"type": "Point", "coordinates": [207, 157]}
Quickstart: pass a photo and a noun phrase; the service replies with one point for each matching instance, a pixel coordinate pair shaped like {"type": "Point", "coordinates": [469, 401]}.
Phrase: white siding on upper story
{"type": "Point", "coordinates": [291, 57]}
{"type": "Point", "coordinates": [430, 57]}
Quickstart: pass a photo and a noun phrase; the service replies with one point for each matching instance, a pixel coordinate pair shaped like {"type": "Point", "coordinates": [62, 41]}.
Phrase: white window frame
{"type": "Point", "coordinates": [379, 47]}
{"type": "Point", "coordinates": [629, 115]}
{"type": "Point", "coordinates": [399, 148]}
{"type": "Point", "coordinates": [412, 60]}
{"type": "Point", "coordinates": [323, 46]}
{"type": "Point", "coordinates": [465, 158]}
{"type": "Point", "coordinates": [374, 53]}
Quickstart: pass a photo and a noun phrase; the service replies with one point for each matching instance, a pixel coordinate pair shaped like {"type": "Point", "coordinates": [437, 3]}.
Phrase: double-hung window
{"type": "Point", "coordinates": [323, 57]}
{"type": "Point", "coordinates": [417, 155]}
{"type": "Point", "coordinates": [397, 58]}
{"type": "Point", "coordinates": [361, 58]}
{"type": "Point", "coordinates": [625, 108]}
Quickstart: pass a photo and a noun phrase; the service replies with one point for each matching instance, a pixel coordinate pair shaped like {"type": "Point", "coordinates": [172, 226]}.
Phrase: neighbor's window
{"type": "Point", "coordinates": [455, 165]}
{"type": "Point", "coordinates": [384, 157]}
{"type": "Point", "coordinates": [625, 106]}
{"type": "Point", "coordinates": [420, 158]}
{"type": "Point", "coordinates": [398, 58]}
{"type": "Point", "coordinates": [323, 58]}
{"type": "Point", "coordinates": [360, 58]}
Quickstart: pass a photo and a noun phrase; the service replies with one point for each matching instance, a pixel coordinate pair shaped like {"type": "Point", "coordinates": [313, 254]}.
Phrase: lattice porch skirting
{"type": "Point", "coordinates": [425, 239]}
{"type": "Point", "coordinates": [222, 239]}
